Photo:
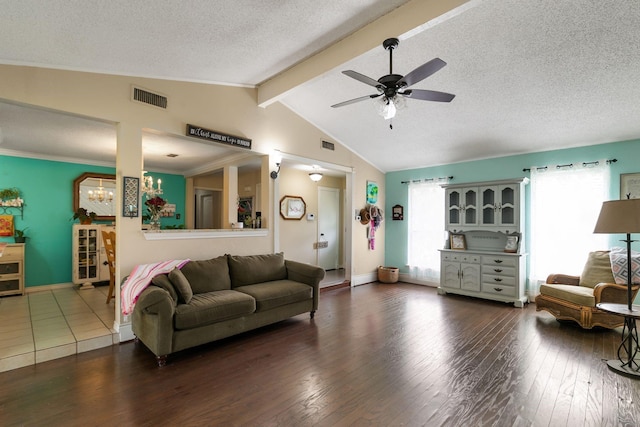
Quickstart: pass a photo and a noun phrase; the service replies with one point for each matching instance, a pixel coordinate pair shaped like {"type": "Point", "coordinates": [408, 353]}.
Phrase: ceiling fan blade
{"type": "Point", "coordinates": [422, 72]}
{"type": "Point", "coordinates": [362, 78]}
{"type": "Point", "coordinates": [353, 101]}
{"type": "Point", "coordinates": [429, 95]}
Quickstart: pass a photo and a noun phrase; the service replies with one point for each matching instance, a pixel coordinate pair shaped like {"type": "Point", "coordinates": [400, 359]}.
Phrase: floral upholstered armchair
{"type": "Point", "coordinates": [576, 297]}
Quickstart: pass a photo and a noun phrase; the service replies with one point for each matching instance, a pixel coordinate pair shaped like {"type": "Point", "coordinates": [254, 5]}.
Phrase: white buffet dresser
{"type": "Point", "coordinates": [486, 218]}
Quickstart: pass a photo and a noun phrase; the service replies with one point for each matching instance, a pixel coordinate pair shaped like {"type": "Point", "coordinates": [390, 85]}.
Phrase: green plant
{"type": "Point", "coordinates": [83, 215]}
{"type": "Point", "coordinates": [9, 193]}
{"type": "Point", "coordinates": [19, 233]}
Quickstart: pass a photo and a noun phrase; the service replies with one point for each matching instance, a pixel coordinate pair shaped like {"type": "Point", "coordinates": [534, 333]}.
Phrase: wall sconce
{"type": "Point", "coordinates": [274, 174]}
{"type": "Point", "coordinates": [315, 176]}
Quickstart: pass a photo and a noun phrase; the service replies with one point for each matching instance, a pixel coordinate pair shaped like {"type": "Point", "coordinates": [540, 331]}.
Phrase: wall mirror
{"type": "Point", "coordinates": [292, 207]}
{"type": "Point", "coordinates": [96, 192]}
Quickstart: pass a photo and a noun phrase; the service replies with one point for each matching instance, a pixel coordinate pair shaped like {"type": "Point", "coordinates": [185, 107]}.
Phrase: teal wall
{"type": "Point", "coordinates": [627, 153]}
{"type": "Point", "coordinates": [47, 187]}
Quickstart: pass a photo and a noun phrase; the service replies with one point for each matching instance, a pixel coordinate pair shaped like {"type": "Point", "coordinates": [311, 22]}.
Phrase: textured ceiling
{"type": "Point", "coordinates": [528, 75]}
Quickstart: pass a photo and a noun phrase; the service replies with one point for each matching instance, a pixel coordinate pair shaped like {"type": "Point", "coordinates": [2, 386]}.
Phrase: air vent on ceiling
{"type": "Point", "coordinates": [328, 145]}
{"type": "Point", "coordinates": [150, 98]}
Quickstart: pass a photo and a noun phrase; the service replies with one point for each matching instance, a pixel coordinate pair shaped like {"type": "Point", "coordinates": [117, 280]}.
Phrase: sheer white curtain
{"type": "Point", "coordinates": [565, 203]}
{"type": "Point", "coordinates": [426, 230]}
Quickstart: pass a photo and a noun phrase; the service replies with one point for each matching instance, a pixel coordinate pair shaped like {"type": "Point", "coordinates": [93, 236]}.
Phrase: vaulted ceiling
{"type": "Point", "coordinates": [528, 75]}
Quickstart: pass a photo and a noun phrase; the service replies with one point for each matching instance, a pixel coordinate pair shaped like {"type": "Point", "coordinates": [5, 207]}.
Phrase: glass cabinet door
{"type": "Point", "coordinates": [508, 205]}
{"type": "Point", "coordinates": [454, 207]}
{"type": "Point", "coordinates": [489, 205]}
{"type": "Point", "coordinates": [87, 254]}
{"type": "Point", "coordinates": [470, 206]}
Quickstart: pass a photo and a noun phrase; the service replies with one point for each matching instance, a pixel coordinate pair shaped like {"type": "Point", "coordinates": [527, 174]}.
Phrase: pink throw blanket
{"type": "Point", "coordinates": [141, 277]}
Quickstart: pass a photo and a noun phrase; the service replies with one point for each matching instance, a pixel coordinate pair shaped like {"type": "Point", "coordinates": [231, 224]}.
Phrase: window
{"type": "Point", "coordinates": [426, 230]}
{"type": "Point", "coordinates": [565, 202]}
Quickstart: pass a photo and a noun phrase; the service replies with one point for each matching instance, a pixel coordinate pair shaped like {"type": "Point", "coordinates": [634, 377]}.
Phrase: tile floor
{"type": "Point", "coordinates": [47, 325]}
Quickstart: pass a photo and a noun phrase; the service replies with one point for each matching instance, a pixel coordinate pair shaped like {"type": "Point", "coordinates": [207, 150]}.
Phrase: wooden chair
{"type": "Point", "coordinates": [576, 297]}
{"type": "Point", "coordinates": [109, 242]}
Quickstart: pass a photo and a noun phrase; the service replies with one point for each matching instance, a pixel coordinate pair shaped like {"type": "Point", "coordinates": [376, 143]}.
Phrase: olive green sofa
{"type": "Point", "coordinates": [212, 299]}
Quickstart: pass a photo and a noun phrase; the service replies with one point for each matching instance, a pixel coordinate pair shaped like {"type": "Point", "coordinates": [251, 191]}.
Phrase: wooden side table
{"type": "Point", "coordinates": [627, 364]}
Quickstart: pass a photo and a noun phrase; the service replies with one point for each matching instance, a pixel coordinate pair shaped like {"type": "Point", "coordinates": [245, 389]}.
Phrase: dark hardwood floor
{"type": "Point", "coordinates": [383, 355]}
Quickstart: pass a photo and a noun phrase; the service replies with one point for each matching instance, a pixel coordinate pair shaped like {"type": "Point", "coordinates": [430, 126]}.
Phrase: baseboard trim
{"type": "Point", "coordinates": [404, 277]}
{"type": "Point", "coordinates": [33, 289]}
{"type": "Point", "coordinates": [363, 279]}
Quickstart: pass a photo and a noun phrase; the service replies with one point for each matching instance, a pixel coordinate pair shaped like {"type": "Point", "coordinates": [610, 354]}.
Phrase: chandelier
{"type": "Point", "coordinates": [100, 194]}
{"type": "Point", "coordinates": [148, 189]}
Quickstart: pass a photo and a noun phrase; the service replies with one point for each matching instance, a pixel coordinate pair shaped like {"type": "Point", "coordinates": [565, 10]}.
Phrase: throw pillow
{"type": "Point", "coordinates": [250, 269]}
{"type": "Point", "coordinates": [162, 281]}
{"type": "Point", "coordinates": [619, 263]}
{"type": "Point", "coordinates": [597, 269]}
{"type": "Point", "coordinates": [183, 288]}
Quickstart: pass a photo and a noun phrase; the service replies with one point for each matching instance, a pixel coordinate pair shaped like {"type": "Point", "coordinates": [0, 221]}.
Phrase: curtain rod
{"type": "Point", "coordinates": [570, 165]}
{"type": "Point", "coordinates": [442, 178]}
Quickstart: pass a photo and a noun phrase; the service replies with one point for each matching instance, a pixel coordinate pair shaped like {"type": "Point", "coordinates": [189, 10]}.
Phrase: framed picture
{"type": "Point", "coordinates": [130, 196]}
{"type": "Point", "coordinates": [292, 207]}
{"type": "Point", "coordinates": [372, 193]}
{"type": "Point", "coordinates": [397, 213]}
{"type": "Point", "coordinates": [6, 226]}
{"type": "Point", "coordinates": [458, 241]}
{"type": "Point", "coordinates": [630, 186]}
{"type": "Point", "coordinates": [512, 243]}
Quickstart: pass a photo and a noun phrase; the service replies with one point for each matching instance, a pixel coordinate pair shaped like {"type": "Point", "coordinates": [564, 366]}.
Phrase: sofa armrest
{"type": "Point", "coordinates": [308, 274]}
{"type": "Point", "coordinates": [563, 279]}
{"type": "Point", "coordinates": [614, 293]}
{"type": "Point", "coordinates": [153, 320]}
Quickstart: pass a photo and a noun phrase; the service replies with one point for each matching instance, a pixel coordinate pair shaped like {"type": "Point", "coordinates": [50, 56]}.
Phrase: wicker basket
{"type": "Point", "coordinates": [388, 274]}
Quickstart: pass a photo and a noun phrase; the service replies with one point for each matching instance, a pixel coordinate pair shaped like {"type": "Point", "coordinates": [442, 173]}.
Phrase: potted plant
{"type": "Point", "coordinates": [18, 235]}
{"type": "Point", "coordinates": [84, 216]}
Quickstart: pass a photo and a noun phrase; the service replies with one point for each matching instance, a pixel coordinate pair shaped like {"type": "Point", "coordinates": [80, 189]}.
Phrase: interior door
{"type": "Point", "coordinates": [208, 209]}
{"type": "Point", "coordinates": [328, 227]}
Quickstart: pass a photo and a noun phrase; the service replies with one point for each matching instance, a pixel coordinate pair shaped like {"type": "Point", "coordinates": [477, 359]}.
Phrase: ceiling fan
{"type": "Point", "coordinates": [394, 88]}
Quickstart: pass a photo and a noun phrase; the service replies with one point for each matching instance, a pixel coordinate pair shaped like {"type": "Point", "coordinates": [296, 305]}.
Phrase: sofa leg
{"type": "Point", "coordinates": [313, 313]}
{"type": "Point", "coordinates": [161, 360]}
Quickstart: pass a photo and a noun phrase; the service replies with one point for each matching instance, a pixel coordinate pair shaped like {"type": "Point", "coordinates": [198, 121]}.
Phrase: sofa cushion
{"type": "Point", "coordinates": [208, 275]}
{"type": "Point", "coordinates": [251, 269]}
{"type": "Point", "coordinates": [597, 269]}
{"type": "Point", "coordinates": [183, 288]}
{"type": "Point", "coordinates": [162, 281]}
{"type": "Point", "coordinates": [212, 307]}
{"type": "Point", "coordinates": [580, 295]}
{"type": "Point", "coordinates": [277, 293]}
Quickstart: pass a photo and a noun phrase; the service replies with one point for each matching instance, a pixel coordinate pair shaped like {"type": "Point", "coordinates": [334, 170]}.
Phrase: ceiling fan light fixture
{"type": "Point", "coordinates": [386, 107]}
{"type": "Point", "coordinates": [315, 176]}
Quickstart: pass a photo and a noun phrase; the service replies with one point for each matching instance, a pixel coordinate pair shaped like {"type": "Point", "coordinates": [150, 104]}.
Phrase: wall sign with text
{"type": "Point", "coordinates": [215, 136]}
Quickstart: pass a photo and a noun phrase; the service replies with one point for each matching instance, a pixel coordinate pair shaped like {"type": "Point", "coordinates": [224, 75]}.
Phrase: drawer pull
{"type": "Point", "coordinates": [497, 289]}
{"type": "Point", "coordinates": [497, 261]}
{"type": "Point", "coordinates": [497, 270]}
{"type": "Point", "coordinates": [497, 279]}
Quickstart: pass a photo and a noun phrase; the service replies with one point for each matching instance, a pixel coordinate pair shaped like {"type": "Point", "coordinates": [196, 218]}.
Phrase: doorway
{"type": "Point", "coordinates": [208, 206]}
{"type": "Point", "coordinates": [330, 239]}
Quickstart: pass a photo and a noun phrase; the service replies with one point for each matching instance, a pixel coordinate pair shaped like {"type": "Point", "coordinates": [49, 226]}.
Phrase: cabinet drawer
{"type": "Point", "coordinates": [499, 289]}
{"type": "Point", "coordinates": [504, 261]}
{"type": "Point", "coordinates": [9, 285]}
{"type": "Point", "coordinates": [461, 257]}
{"type": "Point", "coordinates": [499, 270]}
{"type": "Point", "coordinates": [492, 279]}
{"type": "Point", "coordinates": [10, 268]}
{"type": "Point", "coordinates": [11, 253]}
